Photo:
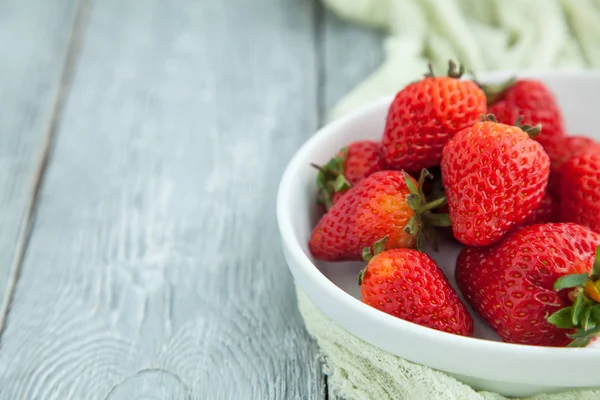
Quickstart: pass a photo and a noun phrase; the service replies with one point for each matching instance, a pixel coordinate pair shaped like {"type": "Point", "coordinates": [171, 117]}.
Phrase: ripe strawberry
{"type": "Point", "coordinates": [425, 114]}
{"type": "Point", "coordinates": [352, 164]}
{"type": "Point", "coordinates": [566, 147]}
{"type": "Point", "coordinates": [530, 99]}
{"type": "Point", "coordinates": [584, 315]}
{"type": "Point", "coordinates": [580, 190]}
{"type": "Point", "coordinates": [547, 211]}
{"type": "Point", "coordinates": [494, 176]}
{"type": "Point", "coordinates": [560, 151]}
{"type": "Point", "coordinates": [408, 284]}
{"type": "Point", "coordinates": [510, 284]}
{"type": "Point", "coordinates": [386, 203]}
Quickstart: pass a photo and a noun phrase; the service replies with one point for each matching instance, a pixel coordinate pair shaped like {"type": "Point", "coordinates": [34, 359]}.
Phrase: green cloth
{"type": "Point", "coordinates": [357, 370]}
{"type": "Point", "coordinates": [484, 35]}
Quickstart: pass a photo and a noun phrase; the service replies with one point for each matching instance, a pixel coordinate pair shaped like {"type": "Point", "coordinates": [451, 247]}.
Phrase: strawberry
{"type": "Point", "coordinates": [408, 284]}
{"type": "Point", "coordinates": [510, 284]}
{"type": "Point", "coordinates": [566, 147]}
{"type": "Point", "coordinates": [348, 167]}
{"type": "Point", "coordinates": [386, 203]}
{"type": "Point", "coordinates": [494, 176]}
{"type": "Point", "coordinates": [547, 211]}
{"type": "Point", "coordinates": [425, 114]}
{"type": "Point", "coordinates": [583, 316]}
{"type": "Point", "coordinates": [530, 99]}
{"type": "Point", "coordinates": [580, 190]}
{"type": "Point", "coordinates": [560, 151]}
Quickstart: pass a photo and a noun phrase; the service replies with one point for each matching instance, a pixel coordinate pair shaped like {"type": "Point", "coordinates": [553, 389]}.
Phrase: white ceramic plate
{"type": "Point", "coordinates": [482, 361]}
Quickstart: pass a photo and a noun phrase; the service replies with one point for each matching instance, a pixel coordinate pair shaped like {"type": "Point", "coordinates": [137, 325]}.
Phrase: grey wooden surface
{"type": "Point", "coordinates": [34, 38]}
{"type": "Point", "coordinates": [147, 265]}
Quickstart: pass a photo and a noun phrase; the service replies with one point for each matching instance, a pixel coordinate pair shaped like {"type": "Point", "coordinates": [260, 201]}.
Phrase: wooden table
{"type": "Point", "coordinates": [141, 146]}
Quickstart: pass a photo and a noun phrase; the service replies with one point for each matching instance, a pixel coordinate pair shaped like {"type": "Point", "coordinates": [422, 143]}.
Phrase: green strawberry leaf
{"type": "Point", "coordinates": [570, 281]}
{"type": "Point", "coordinates": [591, 325]}
{"type": "Point", "coordinates": [410, 184]}
{"type": "Point", "coordinates": [331, 179]}
{"type": "Point", "coordinates": [583, 334]}
{"type": "Point", "coordinates": [412, 227]}
{"type": "Point", "coordinates": [361, 275]}
{"type": "Point", "coordinates": [366, 254]}
{"type": "Point", "coordinates": [585, 318]}
{"type": "Point", "coordinates": [440, 220]}
{"type": "Point", "coordinates": [584, 314]}
{"type": "Point", "coordinates": [379, 245]}
{"type": "Point", "coordinates": [578, 308]}
{"type": "Point", "coordinates": [414, 202]}
{"type": "Point", "coordinates": [562, 318]}
{"type": "Point", "coordinates": [595, 311]}
{"type": "Point", "coordinates": [580, 342]}
{"type": "Point", "coordinates": [596, 268]}
{"type": "Point", "coordinates": [341, 183]}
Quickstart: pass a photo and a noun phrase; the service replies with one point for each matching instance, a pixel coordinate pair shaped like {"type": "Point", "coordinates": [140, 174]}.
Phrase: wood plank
{"type": "Point", "coordinates": [350, 53]}
{"type": "Point", "coordinates": [34, 37]}
{"type": "Point", "coordinates": [154, 268]}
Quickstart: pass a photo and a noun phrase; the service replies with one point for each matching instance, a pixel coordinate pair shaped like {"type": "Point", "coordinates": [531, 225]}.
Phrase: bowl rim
{"type": "Point", "coordinates": [292, 244]}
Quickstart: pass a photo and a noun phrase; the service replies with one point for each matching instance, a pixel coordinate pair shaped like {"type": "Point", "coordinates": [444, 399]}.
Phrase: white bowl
{"type": "Point", "coordinates": [481, 361]}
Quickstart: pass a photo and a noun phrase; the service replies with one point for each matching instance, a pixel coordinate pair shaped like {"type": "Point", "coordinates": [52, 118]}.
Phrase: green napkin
{"type": "Point", "coordinates": [357, 370]}
{"type": "Point", "coordinates": [484, 35]}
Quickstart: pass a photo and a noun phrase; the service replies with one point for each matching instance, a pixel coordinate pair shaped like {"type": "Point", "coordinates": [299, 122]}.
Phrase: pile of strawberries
{"type": "Point", "coordinates": [490, 166]}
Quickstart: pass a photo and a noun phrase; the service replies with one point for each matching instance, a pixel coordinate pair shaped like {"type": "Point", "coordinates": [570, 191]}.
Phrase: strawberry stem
{"type": "Point", "coordinates": [434, 204]}
{"type": "Point", "coordinates": [423, 220]}
{"type": "Point", "coordinates": [454, 70]}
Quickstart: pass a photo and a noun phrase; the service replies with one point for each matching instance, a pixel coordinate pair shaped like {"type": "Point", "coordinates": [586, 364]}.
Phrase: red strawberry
{"type": "Point", "coordinates": [408, 284]}
{"type": "Point", "coordinates": [530, 99]}
{"type": "Point", "coordinates": [387, 203]}
{"type": "Point", "coordinates": [584, 315]}
{"type": "Point", "coordinates": [352, 164]}
{"type": "Point", "coordinates": [561, 150]}
{"type": "Point", "coordinates": [566, 147]}
{"type": "Point", "coordinates": [494, 176]}
{"type": "Point", "coordinates": [510, 284]}
{"type": "Point", "coordinates": [425, 114]}
{"type": "Point", "coordinates": [547, 211]}
{"type": "Point", "coordinates": [580, 190]}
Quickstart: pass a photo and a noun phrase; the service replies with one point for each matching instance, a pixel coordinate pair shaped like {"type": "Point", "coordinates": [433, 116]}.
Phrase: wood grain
{"type": "Point", "coordinates": [34, 37]}
{"type": "Point", "coordinates": [154, 268]}
{"type": "Point", "coordinates": [349, 54]}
